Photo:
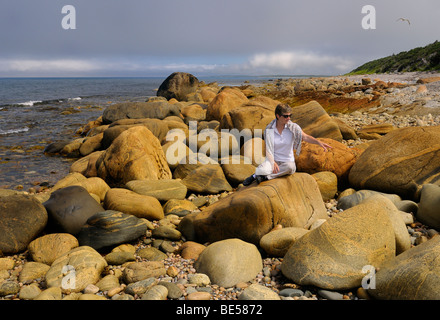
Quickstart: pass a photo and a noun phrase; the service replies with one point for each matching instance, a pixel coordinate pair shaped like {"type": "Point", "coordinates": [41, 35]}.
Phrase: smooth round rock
{"type": "Point", "coordinates": [199, 295]}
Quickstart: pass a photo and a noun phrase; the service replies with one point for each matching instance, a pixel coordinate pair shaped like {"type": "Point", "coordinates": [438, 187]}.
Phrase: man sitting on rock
{"type": "Point", "coordinates": [282, 136]}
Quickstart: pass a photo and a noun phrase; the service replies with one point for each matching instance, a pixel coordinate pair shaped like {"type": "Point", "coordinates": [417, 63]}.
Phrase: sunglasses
{"type": "Point", "coordinates": [286, 115]}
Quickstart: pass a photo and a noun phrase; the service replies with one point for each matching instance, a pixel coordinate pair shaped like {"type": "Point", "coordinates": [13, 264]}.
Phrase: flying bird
{"type": "Point", "coordinates": [403, 19]}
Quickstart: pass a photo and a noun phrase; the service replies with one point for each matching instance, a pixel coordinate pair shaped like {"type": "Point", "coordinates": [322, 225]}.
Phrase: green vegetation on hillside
{"type": "Point", "coordinates": [418, 59]}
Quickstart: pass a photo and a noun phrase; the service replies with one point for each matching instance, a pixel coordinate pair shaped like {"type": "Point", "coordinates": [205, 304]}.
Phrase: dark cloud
{"type": "Point", "coordinates": [218, 36]}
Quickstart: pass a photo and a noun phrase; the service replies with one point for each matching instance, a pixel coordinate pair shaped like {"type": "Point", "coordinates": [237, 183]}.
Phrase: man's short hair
{"type": "Point", "coordinates": [282, 108]}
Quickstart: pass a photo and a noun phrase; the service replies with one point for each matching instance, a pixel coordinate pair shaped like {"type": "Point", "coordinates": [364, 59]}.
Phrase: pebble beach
{"type": "Point", "coordinates": [413, 104]}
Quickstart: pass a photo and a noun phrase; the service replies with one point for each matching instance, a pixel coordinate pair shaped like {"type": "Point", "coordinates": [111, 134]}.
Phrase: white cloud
{"type": "Point", "coordinates": [44, 66]}
{"type": "Point", "coordinates": [86, 67]}
{"type": "Point", "coordinates": [297, 62]}
{"type": "Point", "coordinates": [280, 62]}
{"type": "Point", "coordinates": [185, 67]}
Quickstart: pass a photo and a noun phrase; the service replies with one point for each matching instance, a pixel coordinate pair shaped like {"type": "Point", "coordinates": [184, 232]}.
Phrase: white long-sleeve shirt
{"type": "Point", "coordinates": [279, 147]}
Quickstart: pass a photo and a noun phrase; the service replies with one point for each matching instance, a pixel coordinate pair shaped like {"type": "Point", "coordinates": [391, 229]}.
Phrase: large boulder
{"type": "Point", "coordinates": [76, 269]}
{"type": "Point", "coordinates": [22, 218]}
{"type": "Point", "coordinates": [93, 185]}
{"type": "Point", "coordinates": [429, 206]}
{"type": "Point", "coordinates": [216, 145]}
{"type": "Point", "coordinates": [412, 275]}
{"type": "Point", "coordinates": [162, 190]}
{"type": "Point", "coordinates": [400, 162]}
{"type": "Point", "coordinates": [255, 150]}
{"type": "Point", "coordinates": [327, 183]}
{"type": "Point", "coordinates": [237, 169]}
{"type": "Point", "coordinates": [403, 240]}
{"type": "Point", "coordinates": [48, 248]}
{"type": "Point", "coordinates": [179, 207]}
{"type": "Point", "coordinates": [70, 179]}
{"type": "Point", "coordinates": [69, 208]}
{"type": "Point", "coordinates": [225, 101]}
{"type": "Point", "coordinates": [393, 203]}
{"type": "Point", "coordinates": [87, 165]}
{"type": "Point", "coordinates": [333, 255]}
{"type": "Point", "coordinates": [207, 178]}
{"type": "Point", "coordinates": [189, 163]}
{"type": "Point", "coordinates": [277, 242]}
{"type": "Point", "coordinates": [208, 93]}
{"type": "Point", "coordinates": [91, 144]}
{"type": "Point", "coordinates": [139, 110]}
{"type": "Point", "coordinates": [315, 121]}
{"type": "Point", "coordinates": [135, 154]}
{"type": "Point", "coordinates": [356, 198]}
{"type": "Point", "coordinates": [348, 133]}
{"type": "Point", "coordinates": [256, 114]}
{"type": "Point", "coordinates": [129, 202]}
{"type": "Point", "coordinates": [157, 127]}
{"type": "Point", "coordinates": [178, 85]}
{"type": "Point", "coordinates": [339, 159]}
{"type": "Point", "coordinates": [193, 112]}
{"type": "Point", "coordinates": [110, 228]}
{"type": "Point", "coordinates": [175, 152]}
{"type": "Point", "coordinates": [380, 129]}
{"type": "Point", "coordinates": [251, 212]}
{"type": "Point", "coordinates": [229, 262]}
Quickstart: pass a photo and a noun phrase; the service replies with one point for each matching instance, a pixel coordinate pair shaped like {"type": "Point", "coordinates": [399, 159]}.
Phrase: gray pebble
{"type": "Point", "coordinates": [157, 292]}
{"type": "Point", "coordinates": [204, 289]}
{"type": "Point", "coordinates": [432, 232]}
{"type": "Point", "coordinates": [9, 288]}
{"type": "Point", "coordinates": [190, 290]}
{"type": "Point", "coordinates": [174, 291]}
{"type": "Point", "coordinates": [139, 287]}
{"type": "Point", "coordinates": [199, 279]}
{"type": "Point", "coordinates": [167, 247]}
{"type": "Point", "coordinates": [330, 295]}
{"type": "Point", "coordinates": [290, 292]}
{"type": "Point", "coordinates": [123, 296]}
{"type": "Point", "coordinates": [166, 233]}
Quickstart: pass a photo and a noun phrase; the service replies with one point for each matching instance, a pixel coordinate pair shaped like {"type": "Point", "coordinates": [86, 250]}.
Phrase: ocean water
{"type": "Point", "coordinates": [35, 112]}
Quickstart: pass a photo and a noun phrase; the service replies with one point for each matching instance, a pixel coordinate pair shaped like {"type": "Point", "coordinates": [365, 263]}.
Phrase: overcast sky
{"type": "Point", "coordinates": [204, 37]}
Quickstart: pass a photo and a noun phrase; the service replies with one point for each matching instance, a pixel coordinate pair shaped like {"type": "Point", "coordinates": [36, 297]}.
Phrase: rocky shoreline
{"type": "Point", "coordinates": [130, 240]}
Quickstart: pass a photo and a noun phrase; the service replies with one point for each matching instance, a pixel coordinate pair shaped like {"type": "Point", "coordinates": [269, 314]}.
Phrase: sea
{"type": "Point", "coordinates": [35, 112]}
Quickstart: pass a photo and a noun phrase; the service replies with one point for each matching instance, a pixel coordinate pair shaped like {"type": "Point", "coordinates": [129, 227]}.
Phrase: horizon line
{"type": "Point", "coordinates": [156, 76]}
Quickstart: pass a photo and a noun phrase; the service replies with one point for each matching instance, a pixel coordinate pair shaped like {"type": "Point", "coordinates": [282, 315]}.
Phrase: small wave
{"type": "Point", "coordinates": [29, 103]}
{"type": "Point", "coordinates": [42, 102]}
{"type": "Point", "coordinates": [11, 131]}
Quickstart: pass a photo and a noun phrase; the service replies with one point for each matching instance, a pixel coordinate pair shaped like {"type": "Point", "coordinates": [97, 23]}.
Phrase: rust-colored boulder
{"type": "Point", "coordinates": [339, 159]}
{"type": "Point", "coordinates": [225, 101]}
